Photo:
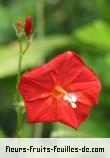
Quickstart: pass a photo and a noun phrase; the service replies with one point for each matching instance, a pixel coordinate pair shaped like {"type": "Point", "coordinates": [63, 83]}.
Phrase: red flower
{"type": "Point", "coordinates": [28, 26]}
{"type": "Point", "coordinates": [63, 90]}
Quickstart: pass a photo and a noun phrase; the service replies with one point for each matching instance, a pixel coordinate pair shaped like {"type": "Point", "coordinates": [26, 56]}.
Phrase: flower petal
{"type": "Point", "coordinates": [66, 67]}
{"type": "Point", "coordinates": [41, 110]}
{"type": "Point", "coordinates": [73, 117]}
{"type": "Point", "coordinates": [66, 114]}
{"type": "Point", "coordinates": [36, 84]}
{"type": "Point", "coordinates": [86, 87]}
{"type": "Point", "coordinates": [82, 112]}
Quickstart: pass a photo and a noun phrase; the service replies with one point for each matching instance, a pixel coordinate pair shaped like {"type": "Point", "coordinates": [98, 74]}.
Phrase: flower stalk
{"type": "Point", "coordinates": [22, 32]}
{"type": "Point", "coordinates": [19, 106]}
{"type": "Point", "coordinates": [19, 62]}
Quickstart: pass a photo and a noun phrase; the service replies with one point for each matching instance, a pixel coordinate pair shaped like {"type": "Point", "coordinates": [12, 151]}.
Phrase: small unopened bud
{"type": "Point", "coordinates": [19, 25]}
{"type": "Point", "coordinates": [28, 26]}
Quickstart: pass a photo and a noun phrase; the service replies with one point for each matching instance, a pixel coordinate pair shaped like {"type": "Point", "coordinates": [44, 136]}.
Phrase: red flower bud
{"type": "Point", "coordinates": [28, 26]}
{"type": "Point", "coordinates": [19, 25]}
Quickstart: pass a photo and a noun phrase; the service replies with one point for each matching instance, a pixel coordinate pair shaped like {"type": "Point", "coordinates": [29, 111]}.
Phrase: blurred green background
{"type": "Point", "coordinates": [83, 26]}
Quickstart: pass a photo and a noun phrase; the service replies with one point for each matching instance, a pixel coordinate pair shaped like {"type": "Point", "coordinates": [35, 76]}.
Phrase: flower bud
{"type": "Point", "coordinates": [19, 25]}
{"type": "Point", "coordinates": [28, 26]}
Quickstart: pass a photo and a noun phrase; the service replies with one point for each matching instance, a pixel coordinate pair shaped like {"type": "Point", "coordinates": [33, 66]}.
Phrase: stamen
{"type": "Point", "coordinates": [73, 105]}
{"type": "Point", "coordinates": [71, 99]}
{"type": "Point", "coordinates": [58, 92]}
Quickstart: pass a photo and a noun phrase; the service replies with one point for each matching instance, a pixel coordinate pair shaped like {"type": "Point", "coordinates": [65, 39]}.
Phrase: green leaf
{"type": "Point", "coordinates": [96, 33]}
{"type": "Point", "coordinates": [91, 128]}
{"type": "Point", "coordinates": [34, 57]}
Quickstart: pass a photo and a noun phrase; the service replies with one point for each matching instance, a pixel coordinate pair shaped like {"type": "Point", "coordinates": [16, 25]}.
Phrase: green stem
{"type": "Point", "coordinates": [19, 122]}
{"type": "Point", "coordinates": [19, 63]}
{"type": "Point", "coordinates": [19, 108]}
{"type": "Point", "coordinates": [27, 46]}
{"type": "Point", "coordinates": [21, 53]}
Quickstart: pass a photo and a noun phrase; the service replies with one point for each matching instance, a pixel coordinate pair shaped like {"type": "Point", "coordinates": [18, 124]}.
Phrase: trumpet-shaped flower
{"type": "Point", "coordinates": [63, 90]}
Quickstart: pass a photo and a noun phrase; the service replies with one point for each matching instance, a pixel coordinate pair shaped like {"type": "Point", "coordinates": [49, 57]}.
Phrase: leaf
{"type": "Point", "coordinates": [96, 33]}
{"type": "Point", "coordinates": [34, 57]}
{"type": "Point", "coordinates": [91, 128]}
